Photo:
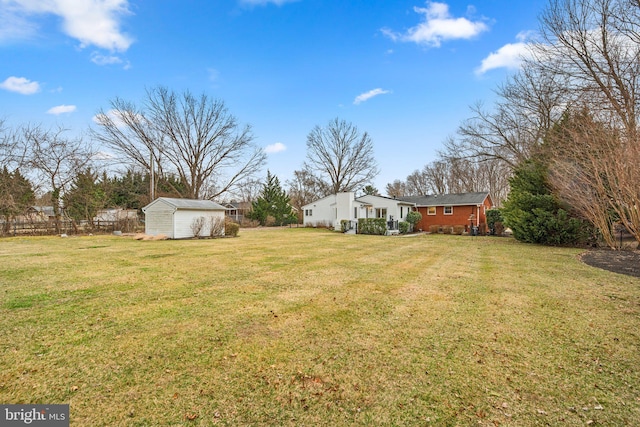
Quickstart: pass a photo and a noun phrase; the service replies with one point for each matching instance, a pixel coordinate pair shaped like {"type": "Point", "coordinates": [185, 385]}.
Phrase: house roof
{"type": "Point", "coordinates": [191, 204]}
{"type": "Point", "coordinates": [366, 199]}
{"type": "Point", "coordinates": [459, 199]}
{"type": "Point", "coordinates": [45, 210]}
{"type": "Point", "coordinates": [399, 200]}
{"type": "Point", "coordinates": [237, 205]}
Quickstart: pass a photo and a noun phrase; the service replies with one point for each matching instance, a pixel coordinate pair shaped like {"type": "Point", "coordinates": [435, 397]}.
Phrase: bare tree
{"type": "Point", "coordinates": [494, 177]}
{"type": "Point", "coordinates": [130, 133]}
{"type": "Point", "coordinates": [437, 175]}
{"type": "Point", "coordinates": [594, 45]}
{"type": "Point", "coordinates": [396, 188]}
{"type": "Point", "coordinates": [248, 190]}
{"type": "Point", "coordinates": [513, 129]}
{"type": "Point", "coordinates": [303, 189]}
{"type": "Point", "coordinates": [195, 137]}
{"type": "Point", "coordinates": [12, 150]}
{"type": "Point", "coordinates": [417, 184]}
{"type": "Point", "coordinates": [595, 170]}
{"type": "Point", "coordinates": [340, 156]}
{"type": "Point", "coordinates": [55, 159]}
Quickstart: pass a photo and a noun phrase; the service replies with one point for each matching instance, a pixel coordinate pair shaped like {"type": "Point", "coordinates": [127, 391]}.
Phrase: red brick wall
{"type": "Point", "coordinates": [460, 216]}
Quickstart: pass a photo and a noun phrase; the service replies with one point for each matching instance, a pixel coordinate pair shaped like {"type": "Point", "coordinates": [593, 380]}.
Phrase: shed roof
{"type": "Point", "coordinates": [458, 199]}
{"type": "Point", "coordinates": [191, 204]}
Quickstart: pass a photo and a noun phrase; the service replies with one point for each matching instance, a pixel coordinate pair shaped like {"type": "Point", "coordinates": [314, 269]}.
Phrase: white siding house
{"type": "Point", "coordinates": [331, 210]}
{"type": "Point", "coordinates": [174, 217]}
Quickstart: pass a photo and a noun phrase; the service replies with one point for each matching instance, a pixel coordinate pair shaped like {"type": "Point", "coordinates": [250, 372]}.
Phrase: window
{"type": "Point", "coordinates": [381, 212]}
{"type": "Point", "coordinates": [448, 210]}
{"type": "Point", "coordinates": [431, 210]}
{"type": "Point", "coordinates": [308, 212]}
{"type": "Point", "coordinates": [355, 212]}
{"type": "Point", "coordinates": [401, 212]}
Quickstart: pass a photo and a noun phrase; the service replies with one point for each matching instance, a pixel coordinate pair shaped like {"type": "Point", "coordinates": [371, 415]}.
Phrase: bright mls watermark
{"type": "Point", "coordinates": [34, 415]}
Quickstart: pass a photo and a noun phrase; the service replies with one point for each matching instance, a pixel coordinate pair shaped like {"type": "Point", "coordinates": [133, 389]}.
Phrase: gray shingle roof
{"type": "Point", "coordinates": [204, 205]}
{"type": "Point", "coordinates": [447, 199]}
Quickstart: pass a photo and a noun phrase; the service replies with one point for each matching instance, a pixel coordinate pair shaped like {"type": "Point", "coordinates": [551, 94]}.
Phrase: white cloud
{"type": "Point", "coordinates": [92, 22]}
{"type": "Point", "coordinates": [13, 26]}
{"type": "Point", "coordinates": [103, 155]}
{"type": "Point", "coordinates": [20, 85]}
{"type": "Point", "coordinates": [368, 95]}
{"type": "Point", "coordinates": [275, 148]}
{"type": "Point", "coordinates": [118, 118]}
{"type": "Point", "coordinates": [438, 26]}
{"type": "Point", "coordinates": [265, 2]}
{"type": "Point", "coordinates": [61, 109]}
{"type": "Point", "coordinates": [509, 56]}
{"type": "Point", "coordinates": [100, 59]}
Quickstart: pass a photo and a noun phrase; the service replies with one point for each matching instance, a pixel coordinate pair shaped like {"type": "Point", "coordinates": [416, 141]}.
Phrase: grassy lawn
{"type": "Point", "coordinates": [311, 327]}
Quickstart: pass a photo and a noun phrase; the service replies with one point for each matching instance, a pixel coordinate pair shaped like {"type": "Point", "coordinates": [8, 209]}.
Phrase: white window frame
{"type": "Point", "coordinates": [429, 212]}
{"type": "Point", "coordinates": [445, 208]}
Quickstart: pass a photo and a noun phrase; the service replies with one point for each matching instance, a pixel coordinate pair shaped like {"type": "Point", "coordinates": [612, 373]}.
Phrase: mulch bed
{"type": "Point", "coordinates": [623, 262]}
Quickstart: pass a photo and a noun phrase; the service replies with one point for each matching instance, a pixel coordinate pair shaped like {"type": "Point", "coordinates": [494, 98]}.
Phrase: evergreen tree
{"type": "Point", "coordinates": [273, 202]}
{"type": "Point", "coordinates": [85, 197]}
{"type": "Point", "coordinates": [370, 190]}
{"type": "Point", "coordinates": [129, 191]}
{"type": "Point", "coordinates": [16, 194]}
{"type": "Point", "coordinates": [535, 214]}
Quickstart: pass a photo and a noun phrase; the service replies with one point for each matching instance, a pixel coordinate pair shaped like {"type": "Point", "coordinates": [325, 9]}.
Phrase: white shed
{"type": "Point", "coordinates": [180, 218]}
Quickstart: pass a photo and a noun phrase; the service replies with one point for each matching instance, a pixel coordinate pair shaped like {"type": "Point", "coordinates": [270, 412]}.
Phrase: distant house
{"type": "Point", "coordinates": [40, 214]}
{"type": "Point", "coordinates": [115, 214]}
{"type": "Point", "coordinates": [468, 209]}
{"type": "Point", "coordinates": [175, 218]}
{"type": "Point", "coordinates": [237, 211]}
{"type": "Point", "coordinates": [330, 211]}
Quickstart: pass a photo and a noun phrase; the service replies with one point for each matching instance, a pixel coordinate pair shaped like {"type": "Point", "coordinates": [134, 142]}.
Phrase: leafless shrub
{"type": "Point", "coordinates": [216, 226]}
{"type": "Point", "coordinates": [458, 229]}
{"type": "Point", "coordinates": [197, 225]}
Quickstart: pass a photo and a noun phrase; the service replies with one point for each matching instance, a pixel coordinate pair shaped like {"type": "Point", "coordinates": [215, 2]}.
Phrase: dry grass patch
{"type": "Point", "coordinates": [311, 327]}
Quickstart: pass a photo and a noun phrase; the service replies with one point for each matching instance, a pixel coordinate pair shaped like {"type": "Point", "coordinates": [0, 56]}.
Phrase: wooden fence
{"type": "Point", "coordinates": [47, 228]}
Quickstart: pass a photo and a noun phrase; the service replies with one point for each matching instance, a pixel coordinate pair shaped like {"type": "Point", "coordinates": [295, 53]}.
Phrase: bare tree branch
{"type": "Point", "coordinates": [341, 156]}
{"type": "Point", "coordinates": [195, 137]}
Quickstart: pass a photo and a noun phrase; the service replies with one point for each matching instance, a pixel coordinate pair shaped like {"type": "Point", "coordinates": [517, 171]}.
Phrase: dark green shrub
{"type": "Point", "coordinates": [493, 216]}
{"type": "Point", "coordinates": [376, 226]}
{"type": "Point", "coordinates": [344, 225]}
{"type": "Point", "coordinates": [403, 226]}
{"type": "Point", "coordinates": [413, 218]}
{"type": "Point", "coordinates": [536, 215]}
{"type": "Point", "coordinates": [231, 229]}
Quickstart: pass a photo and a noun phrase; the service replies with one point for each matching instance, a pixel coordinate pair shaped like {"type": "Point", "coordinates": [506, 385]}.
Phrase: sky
{"type": "Point", "coordinates": [404, 71]}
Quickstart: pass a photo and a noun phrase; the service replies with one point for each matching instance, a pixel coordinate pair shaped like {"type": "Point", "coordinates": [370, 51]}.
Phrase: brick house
{"type": "Point", "coordinates": [452, 209]}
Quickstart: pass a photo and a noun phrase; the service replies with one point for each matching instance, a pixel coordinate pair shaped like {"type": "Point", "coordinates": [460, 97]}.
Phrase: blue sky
{"type": "Point", "coordinates": [405, 71]}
